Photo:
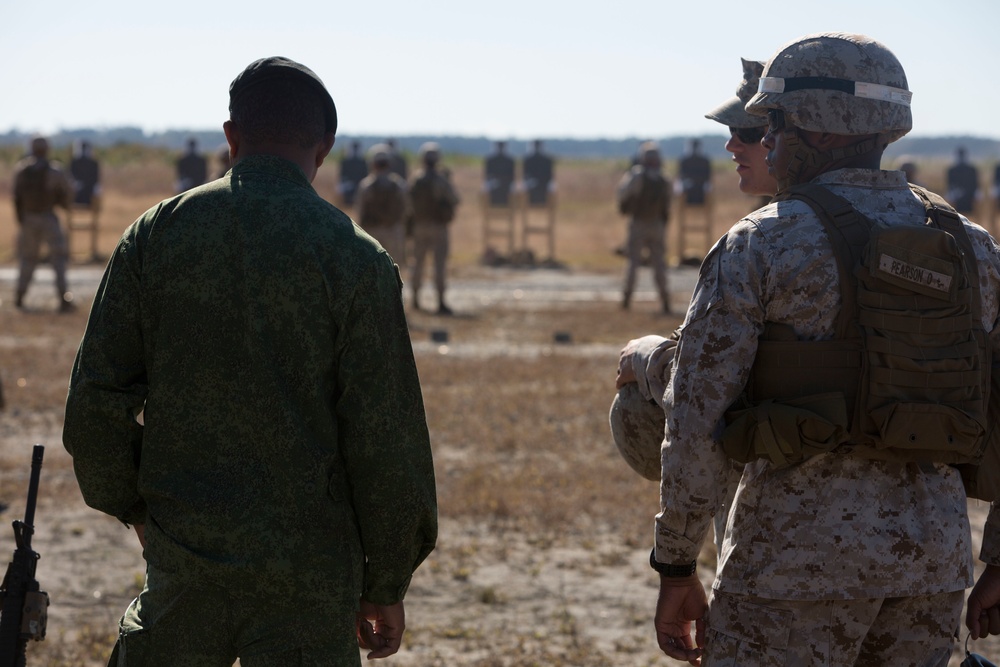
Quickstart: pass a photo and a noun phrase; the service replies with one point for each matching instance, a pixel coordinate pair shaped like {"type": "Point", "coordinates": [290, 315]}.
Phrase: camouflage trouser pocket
{"type": "Point", "coordinates": [132, 645]}
{"type": "Point", "coordinates": [742, 634]}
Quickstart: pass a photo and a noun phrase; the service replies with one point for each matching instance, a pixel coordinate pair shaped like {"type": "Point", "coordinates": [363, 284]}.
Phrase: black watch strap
{"type": "Point", "coordinates": [672, 570]}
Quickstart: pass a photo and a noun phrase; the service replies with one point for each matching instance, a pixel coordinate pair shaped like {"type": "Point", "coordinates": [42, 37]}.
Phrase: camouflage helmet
{"type": "Point", "coordinates": [429, 150]}
{"type": "Point", "coordinates": [637, 428]}
{"type": "Point", "coordinates": [379, 153]}
{"type": "Point", "coordinates": [839, 83]}
{"type": "Point", "coordinates": [649, 154]}
{"type": "Point", "coordinates": [731, 113]}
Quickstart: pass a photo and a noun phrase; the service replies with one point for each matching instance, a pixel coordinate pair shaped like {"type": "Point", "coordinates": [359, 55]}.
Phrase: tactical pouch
{"type": "Point", "coordinates": [786, 432]}
{"type": "Point", "coordinates": [980, 478]}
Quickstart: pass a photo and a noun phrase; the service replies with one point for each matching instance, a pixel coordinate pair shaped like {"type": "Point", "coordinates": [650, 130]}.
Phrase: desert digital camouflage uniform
{"type": "Point", "coordinates": [431, 192]}
{"type": "Point", "coordinates": [648, 191]}
{"type": "Point", "coordinates": [382, 209]}
{"type": "Point", "coordinates": [283, 468]}
{"type": "Point", "coordinates": [39, 186]}
{"type": "Point", "coordinates": [836, 527]}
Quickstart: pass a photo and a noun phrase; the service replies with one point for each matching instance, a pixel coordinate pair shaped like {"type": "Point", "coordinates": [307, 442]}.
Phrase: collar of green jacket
{"type": "Point", "coordinates": [271, 164]}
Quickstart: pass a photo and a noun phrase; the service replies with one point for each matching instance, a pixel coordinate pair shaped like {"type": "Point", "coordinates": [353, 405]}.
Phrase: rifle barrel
{"type": "Point", "coordinates": [29, 510]}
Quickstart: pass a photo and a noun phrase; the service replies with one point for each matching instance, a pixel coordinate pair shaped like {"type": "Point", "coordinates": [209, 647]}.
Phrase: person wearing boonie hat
{"type": "Point", "coordinates": [745, 133]}
{"type": "Point", "coordinates": [245, 396]}
{"type": "Point", "coordinates": [836, 558]}
{"type": "Point", "coordinates": [636, 417]}
{"type": "Point", "coordinates": [382, 203]}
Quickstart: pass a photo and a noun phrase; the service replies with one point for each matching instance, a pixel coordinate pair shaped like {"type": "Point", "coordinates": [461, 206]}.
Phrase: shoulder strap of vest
{"type": "Point", "coordinates": [848, 231]}
{"type": "Point", "coordinates": [943, 216]}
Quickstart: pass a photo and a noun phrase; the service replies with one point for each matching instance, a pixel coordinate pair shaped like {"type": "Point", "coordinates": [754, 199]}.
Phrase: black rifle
{"type": "Point", "coordinates": [25, 609]}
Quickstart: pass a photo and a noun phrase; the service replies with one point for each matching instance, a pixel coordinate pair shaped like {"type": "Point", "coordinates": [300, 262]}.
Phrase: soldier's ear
{"type": "Point", "coordinates": [232, 138]}
{"type": "Point", "coordinates": [324, 147]}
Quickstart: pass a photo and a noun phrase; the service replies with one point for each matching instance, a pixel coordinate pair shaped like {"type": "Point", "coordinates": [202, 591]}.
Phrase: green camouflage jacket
{"type": "Point", "coordinates": [282, 442]}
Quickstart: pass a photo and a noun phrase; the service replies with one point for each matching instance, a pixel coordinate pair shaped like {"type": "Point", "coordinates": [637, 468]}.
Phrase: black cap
{"type": "Point", "coordinates": [276, 68]}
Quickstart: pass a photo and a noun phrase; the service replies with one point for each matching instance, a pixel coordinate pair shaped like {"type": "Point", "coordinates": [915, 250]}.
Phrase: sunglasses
{"type": "Point", "coordinates": [775, 120]}
{"type": "Point", "coordinates": [748, 135]}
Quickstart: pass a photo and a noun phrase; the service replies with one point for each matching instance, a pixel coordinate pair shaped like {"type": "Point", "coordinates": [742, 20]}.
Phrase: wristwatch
{"type": "Point", "coordinates": [672, 570]}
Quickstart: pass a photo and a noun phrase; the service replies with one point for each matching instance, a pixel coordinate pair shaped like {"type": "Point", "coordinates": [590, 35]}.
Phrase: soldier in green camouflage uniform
{"type": "Point", "coordinates": [246, 396]}
{"type": "Point", "coordinates": [840, 559]}
{"type": "Point", "coordinates": [39, 186]}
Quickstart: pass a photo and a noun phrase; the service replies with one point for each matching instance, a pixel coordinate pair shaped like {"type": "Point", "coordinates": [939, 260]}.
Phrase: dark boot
{"type": "Point", "coordinates": [66, 304]}
{"type": "Point", "coordinates": [443, 308]}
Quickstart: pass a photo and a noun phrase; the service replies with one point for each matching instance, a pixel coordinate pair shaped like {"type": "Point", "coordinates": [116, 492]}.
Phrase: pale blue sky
{"type": "Point", "coordinates": [514, 69]}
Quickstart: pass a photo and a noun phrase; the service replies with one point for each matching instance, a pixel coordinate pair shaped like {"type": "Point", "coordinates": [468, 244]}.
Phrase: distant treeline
{"type": "Point", "coordinates": [979, 149]}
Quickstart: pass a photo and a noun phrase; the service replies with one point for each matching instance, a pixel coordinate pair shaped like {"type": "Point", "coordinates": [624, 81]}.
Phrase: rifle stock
{"type": "Point", "coordinates": [24, 611]}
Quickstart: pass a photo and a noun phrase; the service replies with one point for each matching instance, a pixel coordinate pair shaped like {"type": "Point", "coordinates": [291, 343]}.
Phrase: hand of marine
{"type": "Point", "coordinates": [681, 601]}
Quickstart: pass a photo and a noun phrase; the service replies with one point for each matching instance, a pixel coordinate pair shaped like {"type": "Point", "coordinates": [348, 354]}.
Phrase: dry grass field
{"type": "Point", "coordinates": [544, 530]}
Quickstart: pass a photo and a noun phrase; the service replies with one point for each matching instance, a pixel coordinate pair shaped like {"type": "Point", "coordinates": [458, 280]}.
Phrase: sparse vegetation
{"type": "Point", "coordinates": [544, 530]}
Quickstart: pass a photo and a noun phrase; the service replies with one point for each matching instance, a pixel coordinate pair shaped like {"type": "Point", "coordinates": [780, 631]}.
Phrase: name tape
{"type": "Point", "coordinates": [914, 273]}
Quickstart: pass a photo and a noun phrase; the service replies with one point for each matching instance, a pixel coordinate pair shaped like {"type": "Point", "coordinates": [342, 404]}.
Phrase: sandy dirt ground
{"type": "Point", "coordinates": [490, 595]}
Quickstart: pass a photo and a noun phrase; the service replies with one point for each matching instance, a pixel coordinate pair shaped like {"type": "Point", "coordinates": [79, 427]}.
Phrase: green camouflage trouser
{"type": "Point", "coordinates": [175, 622]}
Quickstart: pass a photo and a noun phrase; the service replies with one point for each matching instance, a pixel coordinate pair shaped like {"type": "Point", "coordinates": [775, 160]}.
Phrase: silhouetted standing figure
{"type": "Point", "coordinates": [498, 172]}
{"type": "Point", "coordinates": [397, 162]}
{"type": "Point", "coordinates": [86, 173]}
{"type": "Point", "coordinates": [695, 178]}
{"type": "Point", "coordinates": [538, 172]}
{"type": "Point", "coordinates": [963, 183]}
{"type": "Point", "coordinates": [353, 169]}
{"type": "Point", "coordinates": [696, 175]}
{"type": "Point", "coordinates": [192, 168]}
